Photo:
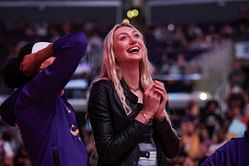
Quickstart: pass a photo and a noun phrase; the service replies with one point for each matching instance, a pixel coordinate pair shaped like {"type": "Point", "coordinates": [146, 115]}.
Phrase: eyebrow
{"type": "Point", "coordinates": [125, 33]}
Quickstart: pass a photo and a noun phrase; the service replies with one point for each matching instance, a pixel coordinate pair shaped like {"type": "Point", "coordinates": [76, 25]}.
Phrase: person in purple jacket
{"type": "Point", "coordinates": [37, 106]}
{"type": "Point", "coordinates": [235, 152]}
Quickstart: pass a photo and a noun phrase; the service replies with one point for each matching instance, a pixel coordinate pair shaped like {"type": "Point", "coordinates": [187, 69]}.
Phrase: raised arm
{"type": "Point", "coordinates": [68, 51]}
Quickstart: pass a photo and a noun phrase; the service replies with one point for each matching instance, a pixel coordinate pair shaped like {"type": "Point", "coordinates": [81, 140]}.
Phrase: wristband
{"type": "Point", "coordinates": [145, 116]}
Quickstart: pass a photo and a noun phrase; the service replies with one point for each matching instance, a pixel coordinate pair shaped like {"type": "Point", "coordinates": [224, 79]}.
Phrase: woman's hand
{"type": "Point", "coordinates": [160, 89]}
{"type": "Point", "coordinates": [151, 100]}
{"type": "Point", "coordinates": [29, 64]}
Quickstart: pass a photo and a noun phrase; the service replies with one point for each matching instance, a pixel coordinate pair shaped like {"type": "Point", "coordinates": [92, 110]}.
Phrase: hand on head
{"type": "Point", "coordinates": [29, 65]}
{"type": "Point", "coordinates": [38, 58]}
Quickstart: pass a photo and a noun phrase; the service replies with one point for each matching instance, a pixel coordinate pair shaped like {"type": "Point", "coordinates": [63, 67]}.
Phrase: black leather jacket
{"type": "Point", "coordinates": [117, 135]}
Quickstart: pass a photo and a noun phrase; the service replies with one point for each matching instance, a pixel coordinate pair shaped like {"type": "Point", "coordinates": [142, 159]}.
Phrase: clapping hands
{"type": "Point", "coordinates": [155, 99]}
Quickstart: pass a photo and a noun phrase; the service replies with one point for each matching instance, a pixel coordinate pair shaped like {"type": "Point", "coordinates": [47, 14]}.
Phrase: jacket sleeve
{"type": "Point", "coordinates": [112, 147]}
{"type": "Point", "coordinates": [7, 109]}
{"type": "Point", "coordinates": [48, 84]}
{"type": "Point", "coordinates": [167, 138]}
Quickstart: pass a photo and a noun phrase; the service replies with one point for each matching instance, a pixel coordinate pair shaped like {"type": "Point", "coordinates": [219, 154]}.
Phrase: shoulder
{"type": "Point", "coordinates": [233, 146]}
{"type": "Point", "coordinates": [102, 83]}
{"type": "Point", "coordinates": [234, 141]}
{"type": "Point", "coordinates": [239, 143]}
{"type": "Point", "coordinates": [100, 91]}
{"type": "Point", "coordinates": [100, 87]}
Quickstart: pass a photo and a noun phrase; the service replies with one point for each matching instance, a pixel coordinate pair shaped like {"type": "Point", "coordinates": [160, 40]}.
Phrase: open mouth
{"type": "Point", "coordinates": [133, 49]}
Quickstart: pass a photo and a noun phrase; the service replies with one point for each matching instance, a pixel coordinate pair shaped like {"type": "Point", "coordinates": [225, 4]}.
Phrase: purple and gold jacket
{"type": "Point", "coordinates": [47, 121]}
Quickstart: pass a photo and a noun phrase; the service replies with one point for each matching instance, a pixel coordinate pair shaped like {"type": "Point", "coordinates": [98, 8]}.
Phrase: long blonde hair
{"type": "Point", "coordinates": [110, 68]}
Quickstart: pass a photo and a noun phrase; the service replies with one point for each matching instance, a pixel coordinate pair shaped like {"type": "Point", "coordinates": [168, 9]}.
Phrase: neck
{"type": "Point", "coordinates": [131, 76]}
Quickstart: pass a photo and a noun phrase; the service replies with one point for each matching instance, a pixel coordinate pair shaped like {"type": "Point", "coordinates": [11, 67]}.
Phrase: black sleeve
{"type": "Point", "coordinates": [167, 138]}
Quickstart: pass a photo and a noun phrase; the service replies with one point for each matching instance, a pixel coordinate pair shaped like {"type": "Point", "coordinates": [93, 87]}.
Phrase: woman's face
{"type": "Point", "coordinates": [127, 44]}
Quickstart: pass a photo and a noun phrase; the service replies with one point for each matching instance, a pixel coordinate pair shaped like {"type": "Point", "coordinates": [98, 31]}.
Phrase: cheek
{"type": "Point", "coordinates": [118, 48]}
{"type": "Point", "coordinates": [119, 52]}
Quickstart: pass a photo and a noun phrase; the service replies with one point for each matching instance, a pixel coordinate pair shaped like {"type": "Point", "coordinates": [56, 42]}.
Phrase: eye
{"type": "Point", "coordinates": [137, 35]}
{"type": "Point", "coordinates": [123, 37]}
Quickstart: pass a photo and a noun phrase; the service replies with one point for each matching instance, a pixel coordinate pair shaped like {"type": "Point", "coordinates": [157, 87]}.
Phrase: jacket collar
{"type": "Point", "coordinates": [128, 94]}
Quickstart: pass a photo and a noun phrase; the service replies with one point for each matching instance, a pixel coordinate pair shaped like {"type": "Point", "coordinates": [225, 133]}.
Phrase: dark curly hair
{"type": "Point", "coordinates": [12, 75]}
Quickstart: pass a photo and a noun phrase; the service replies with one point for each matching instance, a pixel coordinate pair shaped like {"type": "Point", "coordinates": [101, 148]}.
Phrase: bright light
{"type": "Point", "coordinates": [129, 14]}
{"type": "Point", "coordinates": [171, 27]}
{"type": "Point", "coordinates": [125, 20]}
{"type": "Point", "coordinates": [135, 12]}
{"type": "Point", "coordinates": [132, 13]}
{"type": "Point", "coordinates": [203, 96]}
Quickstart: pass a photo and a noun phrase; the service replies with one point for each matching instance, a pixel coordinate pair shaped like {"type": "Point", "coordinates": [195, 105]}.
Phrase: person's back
{"type": "Point", "coordinates": [234, 152]}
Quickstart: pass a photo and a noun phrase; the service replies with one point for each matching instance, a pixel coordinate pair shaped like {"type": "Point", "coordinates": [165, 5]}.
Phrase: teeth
{"type": "Point", "coordinates": [133, 49]}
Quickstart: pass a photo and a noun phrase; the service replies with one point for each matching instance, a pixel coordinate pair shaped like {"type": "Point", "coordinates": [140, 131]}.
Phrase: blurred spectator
{"type": "Point", "coordinates": [227, 31]}
{"type": "Point", "coordinates": [95, 52]}
{"type": "Point", "coordinates": [236, 127]}
{"type": "Point", "coordinates": [21, 158]}
{"type": "Point", "coordinates": [182, 63]}
{"type": "Point", "coordinates": [41, 29]}
{"type": "Point", "coordinates": [193, 111]}
{"type": "Point", "coordinates": [67, 28]}
{"type": "Point", "coordinates": [165, 67]}
{"type": "Point", "coordinates": [211, 118]}
{"type": "Point", "coordinates": [219, 139]}
{"type": "Point", "coordinates": [245, 116]}
{"type": "Point", "coordinates": [6, 153]}
{"type": "Point", "coordinates": [190, 138]}
{"type": "Point", "coordinates": [193, 31]}
{"type": "Point", "coordinates": [189, 144]}
{"type": "Point", "coordinates": [152, 40]}
{"type": "Point", "coordinates": [87, 135]}
{"type": "Point", "coordinates": [235, 107]}
{"type": "Point", "coordinates": [237, 77]}
{"type": "Point", "coordinates": [205, 142]}
{"type": "Point", "coordinates": [243, 16]}
{"type": "Point", "coordinates": [213, 35]}
{"type": "Point", "coordinates": [180, 37]}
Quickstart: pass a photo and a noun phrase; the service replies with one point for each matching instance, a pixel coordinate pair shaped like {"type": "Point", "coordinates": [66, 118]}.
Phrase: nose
{"type": "Point", "coordinates": [133, 40]}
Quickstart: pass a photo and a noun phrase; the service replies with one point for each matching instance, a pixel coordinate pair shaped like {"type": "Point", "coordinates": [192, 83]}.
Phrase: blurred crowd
{"type": "Point", "coordinates": [171, 47]}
